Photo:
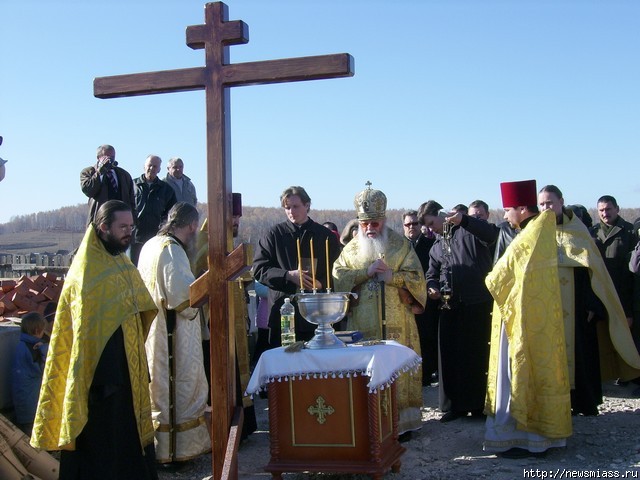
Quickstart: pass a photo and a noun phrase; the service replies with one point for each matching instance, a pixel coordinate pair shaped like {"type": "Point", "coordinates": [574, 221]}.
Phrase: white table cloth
{"type": "Point", "coordinates": [383, 363]}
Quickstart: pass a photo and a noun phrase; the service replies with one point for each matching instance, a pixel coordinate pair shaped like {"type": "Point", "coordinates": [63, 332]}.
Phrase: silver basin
{"type": "Point", "coordinates": [323, 309]}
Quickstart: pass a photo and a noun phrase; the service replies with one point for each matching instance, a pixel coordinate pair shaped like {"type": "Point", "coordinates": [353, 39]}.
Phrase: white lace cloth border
{"type": "Point", "coordinates": [382, 363]}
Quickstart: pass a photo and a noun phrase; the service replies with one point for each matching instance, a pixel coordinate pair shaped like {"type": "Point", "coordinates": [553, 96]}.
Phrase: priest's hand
{"type": "Point", "coordinates": [433, 294]}
{"type": "Point", "coordinates": [380, 270]}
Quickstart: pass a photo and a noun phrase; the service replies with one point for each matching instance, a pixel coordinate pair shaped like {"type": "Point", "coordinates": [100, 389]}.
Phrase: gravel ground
{"type": "Point", "coordinates": [601, 447]}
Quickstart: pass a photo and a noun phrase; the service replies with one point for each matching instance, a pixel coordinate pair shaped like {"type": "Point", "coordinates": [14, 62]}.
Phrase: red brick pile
{"type": "Point", "coordinates": [29, 294]}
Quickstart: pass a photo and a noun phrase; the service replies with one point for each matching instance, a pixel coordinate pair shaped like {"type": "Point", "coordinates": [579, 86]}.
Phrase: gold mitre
{"type": "Point", "coordinates": [370, 204]}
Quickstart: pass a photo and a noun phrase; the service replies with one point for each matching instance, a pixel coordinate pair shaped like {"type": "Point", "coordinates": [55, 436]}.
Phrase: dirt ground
{"type": "Point", "coordinates": [605, 446]}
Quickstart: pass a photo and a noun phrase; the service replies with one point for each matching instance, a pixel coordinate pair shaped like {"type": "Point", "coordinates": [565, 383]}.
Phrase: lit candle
{"type": "Point", "coordinates": [299, 265]}
{"type": "Point", "coordinates": [313, 266]}
{"type": "Point", "coordinates": [326, 252]}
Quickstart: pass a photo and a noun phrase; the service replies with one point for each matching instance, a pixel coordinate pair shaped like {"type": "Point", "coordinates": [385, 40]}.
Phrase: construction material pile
{"type": "Point", "coordinates": [29, 294]}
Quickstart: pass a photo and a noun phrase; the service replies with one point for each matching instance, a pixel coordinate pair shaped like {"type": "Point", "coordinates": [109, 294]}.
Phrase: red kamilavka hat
{"type": "Point", "coordinates": [236, 207]}
{"type": "Point", "coordinates": [519, 194]}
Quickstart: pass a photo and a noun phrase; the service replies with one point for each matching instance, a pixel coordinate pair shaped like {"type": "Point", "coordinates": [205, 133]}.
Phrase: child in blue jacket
{"type": "Point", "coordinates": [27, 370]}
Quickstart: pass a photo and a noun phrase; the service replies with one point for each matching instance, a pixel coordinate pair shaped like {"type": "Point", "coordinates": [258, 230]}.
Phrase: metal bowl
{"type": "Point", "coordinates": [323, 309]}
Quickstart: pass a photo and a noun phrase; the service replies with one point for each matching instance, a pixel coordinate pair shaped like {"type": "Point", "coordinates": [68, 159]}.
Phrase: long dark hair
{"type": "Point", "coordinates": [180, 215]}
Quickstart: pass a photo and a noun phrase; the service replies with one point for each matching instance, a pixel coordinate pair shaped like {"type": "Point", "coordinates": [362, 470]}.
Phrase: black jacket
{"type": "Point", "coordinates": [153, 202]}
{"type": "Point", "coordinates": [616, 249]}
{"type": "Point", "coordinates": [422, 246]}
{"type": "Point", "coordinates": [99, 190]}
{"type": "Point", "coordinates": [506, 234]}
{"type": "Point", "coordinates": [471, 260]}
{"type": "Point", "coordinates": [277, 253]}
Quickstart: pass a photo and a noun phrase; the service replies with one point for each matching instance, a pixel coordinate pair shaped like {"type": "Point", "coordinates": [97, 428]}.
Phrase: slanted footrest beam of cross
{"type": "Point", "coordinates": [215, 36]}
{"type": "Point", "coordinates": [237, 263]}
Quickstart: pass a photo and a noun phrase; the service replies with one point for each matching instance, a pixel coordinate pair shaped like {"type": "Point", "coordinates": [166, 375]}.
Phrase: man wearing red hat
{"type": "Point", "coordinates": [516, 217]}
{"type": "Point", "coordinates": [543, 332]}
{"type": "Point", "coordinates": [528, 405]}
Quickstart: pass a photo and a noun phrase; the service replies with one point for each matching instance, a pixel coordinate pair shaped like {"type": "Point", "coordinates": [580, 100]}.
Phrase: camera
{"type": "Point", "coordinates": [109, 164]}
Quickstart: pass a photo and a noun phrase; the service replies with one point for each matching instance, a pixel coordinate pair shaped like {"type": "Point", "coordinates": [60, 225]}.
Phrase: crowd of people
{"type": "Point", "coordinates": [519, 322]}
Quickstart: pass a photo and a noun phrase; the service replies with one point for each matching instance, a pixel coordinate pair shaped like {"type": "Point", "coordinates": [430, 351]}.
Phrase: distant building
{"type": "Point", "coordinates": [14, 265]}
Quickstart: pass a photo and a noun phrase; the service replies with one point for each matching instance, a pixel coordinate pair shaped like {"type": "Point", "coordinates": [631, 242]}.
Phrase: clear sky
{"type": "Point", "coordinates": [449, 98]}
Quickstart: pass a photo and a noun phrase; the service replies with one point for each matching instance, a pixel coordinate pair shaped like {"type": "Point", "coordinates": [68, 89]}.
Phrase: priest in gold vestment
{"type": "Point", "coordinates": [376, 255]}
{"type": "Point", "coordinates": [94, 401]}
{"type": "Point", "coordinates": [598, 338]}
{"type": "Point", "coordinates": [528, 405]}
{"type": "Point", "coordinates": [532, 366]}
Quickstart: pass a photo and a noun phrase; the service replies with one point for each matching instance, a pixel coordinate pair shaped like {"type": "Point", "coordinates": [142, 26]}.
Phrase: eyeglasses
{"type": "Point", "coordinates": [411, 224]}
{"type": "Point", "coordinates": [372, 224]}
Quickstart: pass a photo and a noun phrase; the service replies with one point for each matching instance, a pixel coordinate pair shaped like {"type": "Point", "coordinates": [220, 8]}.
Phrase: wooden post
{"type": "Point", "coordinates": [215, 36]}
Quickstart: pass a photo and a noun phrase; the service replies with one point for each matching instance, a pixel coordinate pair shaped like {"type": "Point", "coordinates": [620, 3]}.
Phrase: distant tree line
{"type": "Point", "coordinates": [67, 219]}
{"type": "Point", "coordinates": [254, 224]}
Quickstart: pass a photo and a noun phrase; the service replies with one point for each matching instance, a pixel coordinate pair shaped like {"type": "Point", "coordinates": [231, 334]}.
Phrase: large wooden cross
{"type": "Point", "coordinates": [215, 78]}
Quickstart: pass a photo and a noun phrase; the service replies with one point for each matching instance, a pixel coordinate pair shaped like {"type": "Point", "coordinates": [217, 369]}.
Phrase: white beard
{"type": "Point", "coordinates": [371, 249]}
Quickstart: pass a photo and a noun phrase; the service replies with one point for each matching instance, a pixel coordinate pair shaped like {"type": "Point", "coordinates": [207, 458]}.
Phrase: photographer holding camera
{"type": "Point", "coordinates": [106, 181]}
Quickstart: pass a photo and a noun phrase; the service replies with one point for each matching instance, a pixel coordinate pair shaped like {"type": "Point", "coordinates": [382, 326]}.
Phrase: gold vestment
{"type": "Point", "coordinates": [525, 286]}
{"type": "Point", "coordinates": [618, 354]}
{"type": "Point", "coordinates": [350, 273]}
{"type": "Point", "coordinates": [101, 293]}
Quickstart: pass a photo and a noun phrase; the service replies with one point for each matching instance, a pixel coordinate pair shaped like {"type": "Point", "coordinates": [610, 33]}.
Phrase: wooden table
{"type": "Point", "coordinates": [333, 419]}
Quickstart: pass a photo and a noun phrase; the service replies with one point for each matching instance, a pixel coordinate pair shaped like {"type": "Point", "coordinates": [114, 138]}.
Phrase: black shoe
{"type": "Point", "coordinates": [172, 466]}
{"type": "Point", "coordinates": [621, 383]}
{"type": "Point", "coordinates": [451, 416]}
{"type": "Point", "coordinates": [478, 413]}
{"type": "Point", "coordinates": [404, 437]}
{"type": "Point", "coordinates": [521, 453]}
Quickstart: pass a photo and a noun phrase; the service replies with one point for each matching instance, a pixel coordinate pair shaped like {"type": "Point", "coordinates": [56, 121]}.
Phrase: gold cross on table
{"type": "Point", "coordinates": [215, 36]}
{"type": "Point", "coordinates": [320, 410]}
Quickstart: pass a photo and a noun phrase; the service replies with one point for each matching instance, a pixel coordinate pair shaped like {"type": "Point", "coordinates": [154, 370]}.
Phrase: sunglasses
{"type": "Point", "coordinates": [411, 224]}
{"type": "Point", "coordinates": [373, 224]}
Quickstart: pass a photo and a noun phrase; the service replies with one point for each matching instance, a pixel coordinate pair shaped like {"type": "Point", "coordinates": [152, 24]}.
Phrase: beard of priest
{"type": "Point", "coordinates": [377, 255]}
{"type": "Point", "coordinates": [372, 246]}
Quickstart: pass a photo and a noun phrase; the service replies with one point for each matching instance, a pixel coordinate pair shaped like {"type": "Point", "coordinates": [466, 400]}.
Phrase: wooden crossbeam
{"type": "Point", "coordinates": [216, 77]}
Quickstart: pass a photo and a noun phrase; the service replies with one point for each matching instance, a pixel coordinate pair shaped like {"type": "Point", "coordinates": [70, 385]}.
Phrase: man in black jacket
{"type": "Point", "coordinates": [154, 199]}
{"type": "Point", "coordinates": [461, 260]}
{"type": "Point", "coordinates": [616, 239]}
{"type": "Point", "coordinates": [276, 260]}
{"type": "Point", "coordinates": [106, 181]}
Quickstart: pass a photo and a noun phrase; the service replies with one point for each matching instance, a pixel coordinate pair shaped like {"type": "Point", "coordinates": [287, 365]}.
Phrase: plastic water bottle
{"type": "Point", "coordinates": [287, 323]}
